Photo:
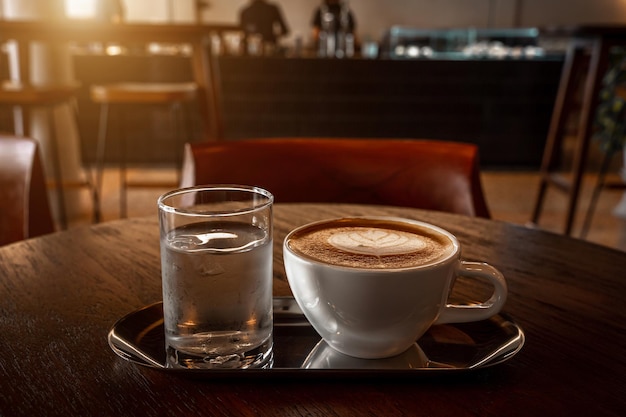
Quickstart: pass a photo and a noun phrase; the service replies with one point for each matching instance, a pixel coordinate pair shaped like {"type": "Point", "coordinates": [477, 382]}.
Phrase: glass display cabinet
{"type": "Point", "coordinates": [401, 42]}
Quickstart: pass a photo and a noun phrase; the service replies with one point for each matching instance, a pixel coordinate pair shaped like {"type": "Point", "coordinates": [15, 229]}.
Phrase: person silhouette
{"type": "Point", "coordinates": [265, 20]}
{"type": "Point", "coordinates": [334, 28]}
{"type": "Point", "coordinates": [334, 8]}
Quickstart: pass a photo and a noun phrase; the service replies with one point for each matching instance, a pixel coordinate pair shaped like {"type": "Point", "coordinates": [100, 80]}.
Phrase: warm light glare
{"type": "Point", "coordinates": [114, 50]}
{"type": "Point", "coordinates": [80, 9]}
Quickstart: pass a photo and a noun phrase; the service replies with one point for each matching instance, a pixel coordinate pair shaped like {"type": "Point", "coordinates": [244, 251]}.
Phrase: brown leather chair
{"type": "Point", "coordinates": [425, 174]}
{"type": "Point", "coordinates": [24, 207]}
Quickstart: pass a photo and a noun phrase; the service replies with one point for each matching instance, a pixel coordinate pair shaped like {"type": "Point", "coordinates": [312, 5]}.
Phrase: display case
{"type": "Point", "coordinates": [402, 42]}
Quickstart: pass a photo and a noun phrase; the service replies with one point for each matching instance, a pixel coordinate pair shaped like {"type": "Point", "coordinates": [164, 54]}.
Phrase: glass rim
{"type": "Point", "coordinates": [252, 190]}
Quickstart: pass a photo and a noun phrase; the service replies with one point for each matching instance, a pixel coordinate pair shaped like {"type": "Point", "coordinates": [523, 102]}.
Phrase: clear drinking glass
{"type": "Point", "coordinates": [216, 267]}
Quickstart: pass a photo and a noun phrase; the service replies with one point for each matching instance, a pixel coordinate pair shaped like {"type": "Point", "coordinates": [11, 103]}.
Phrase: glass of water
{"type": "Point", "coordinates": [216, 268]}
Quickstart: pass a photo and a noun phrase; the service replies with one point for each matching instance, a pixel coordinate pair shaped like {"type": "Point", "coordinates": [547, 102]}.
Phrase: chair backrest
{"type": "Point", "coordinates": [24, 207]}
{"type": "Point", "coordinates": [426, 174]}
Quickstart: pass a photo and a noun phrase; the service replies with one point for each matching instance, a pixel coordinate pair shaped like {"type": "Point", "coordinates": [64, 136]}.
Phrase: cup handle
{"type": "Point", "coordinates": [453, 313]}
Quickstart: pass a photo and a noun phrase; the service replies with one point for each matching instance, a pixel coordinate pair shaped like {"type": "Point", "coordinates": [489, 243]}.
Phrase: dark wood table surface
{"type": "Point", "coordinates": [60, 294]}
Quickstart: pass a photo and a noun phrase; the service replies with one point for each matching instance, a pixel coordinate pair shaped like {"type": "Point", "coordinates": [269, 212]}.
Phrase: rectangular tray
{"type": "Point", "coordinates": [298, 349]}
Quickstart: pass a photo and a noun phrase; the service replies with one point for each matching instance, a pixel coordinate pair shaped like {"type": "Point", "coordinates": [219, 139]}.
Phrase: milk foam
{"type": "Point", "coordinates": [377, 242]}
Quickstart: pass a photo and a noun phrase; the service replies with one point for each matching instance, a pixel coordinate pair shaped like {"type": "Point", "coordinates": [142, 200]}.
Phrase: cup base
{"type": "Point", "coordinates": [324, 356]}
{"type": "Point", "coordinates": [261, 357]}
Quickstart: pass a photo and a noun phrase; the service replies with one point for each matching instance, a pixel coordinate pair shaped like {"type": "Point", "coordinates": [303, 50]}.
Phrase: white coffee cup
{"type": "Point", "coordinates": [375, 298]}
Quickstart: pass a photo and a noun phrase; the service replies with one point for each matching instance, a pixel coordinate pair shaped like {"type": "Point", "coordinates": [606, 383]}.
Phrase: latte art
{"type": "Point", "coordinates": [371, 243]}
{"type": "Point", "coordinates": [377, 242]}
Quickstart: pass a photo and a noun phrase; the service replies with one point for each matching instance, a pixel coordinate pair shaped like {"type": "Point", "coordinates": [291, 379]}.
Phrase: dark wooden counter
{"type": "Point", "coordinates": [502, 105]}
{"type": "Point", "coordinates": [60, 294]}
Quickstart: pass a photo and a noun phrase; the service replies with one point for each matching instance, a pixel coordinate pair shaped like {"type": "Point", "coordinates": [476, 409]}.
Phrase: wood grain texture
{"type": "Point", "coordinates": [59, 295]}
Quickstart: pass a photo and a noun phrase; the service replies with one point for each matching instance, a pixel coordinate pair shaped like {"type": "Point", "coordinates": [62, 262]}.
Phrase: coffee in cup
{"type": "Point", "coordinates": [371, 244]}
{"type": "Point", "coordinates": [372, 286]}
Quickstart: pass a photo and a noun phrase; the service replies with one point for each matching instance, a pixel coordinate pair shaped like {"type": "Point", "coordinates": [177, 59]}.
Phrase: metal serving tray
{"type": "Point", "coordinates": [298, 349]}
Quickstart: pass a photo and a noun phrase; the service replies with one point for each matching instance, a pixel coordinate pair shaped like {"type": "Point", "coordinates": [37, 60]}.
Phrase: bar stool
{"type": "Point", "coordinates": [173, 95]}
{"type": "Point", "coordinates": [588, 52]}
{"type": "Point", "coordinates": [48, 98]}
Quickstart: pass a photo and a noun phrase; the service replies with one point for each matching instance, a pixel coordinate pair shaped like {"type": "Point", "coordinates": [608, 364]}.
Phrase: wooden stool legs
{"type": "Point", "coordinates": [176, 113]}
{"type": "Point", "coordinates": [574, 62]}
{"type": "Point", "coordinates": [100, 149]}
{"type": "Point", "coordinates": [56, 162]}
{"type": "Point", "coordinates": [601, 184]}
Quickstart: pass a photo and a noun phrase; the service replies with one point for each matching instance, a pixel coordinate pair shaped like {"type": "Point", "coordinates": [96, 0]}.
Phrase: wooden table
{"type": "Point", "coordinates": [60, 294]}
{"type": "Point", "coordinates": [198, 36]}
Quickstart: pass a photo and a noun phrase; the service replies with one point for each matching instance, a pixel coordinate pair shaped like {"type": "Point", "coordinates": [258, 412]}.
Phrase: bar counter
{"type": "Point", "coordinates": [502, 105]}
